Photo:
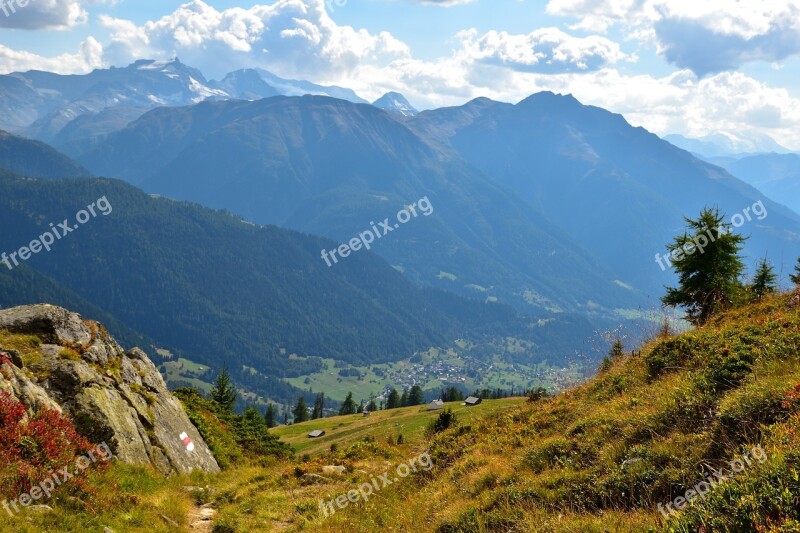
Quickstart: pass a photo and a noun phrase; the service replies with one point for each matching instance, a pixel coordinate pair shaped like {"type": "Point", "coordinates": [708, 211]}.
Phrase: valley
{"type": "Point", "coordinates": [433, 370]}
{"type": "Point", "coordinates": [415, 266]}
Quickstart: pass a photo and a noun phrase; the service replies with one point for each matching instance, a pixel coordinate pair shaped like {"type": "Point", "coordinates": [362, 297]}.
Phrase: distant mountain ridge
{"type": "Point", "coordinates": [72, 111]}
{"type": "Point", "coordinates": [329, 167]}
{"type": "Point", "coordinates": [36, 159]}
{"type": "Point", "coordinates": [777, 175]}
{"type": "Point", "coordinates": [618, 191]}
{"type": "Point", "coordinates": [726, 145]}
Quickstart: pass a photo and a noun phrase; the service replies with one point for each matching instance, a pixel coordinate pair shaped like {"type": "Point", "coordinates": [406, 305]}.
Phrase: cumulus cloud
{"type": "Point", "coordinates": [297, 38]}
{"type": "Point", "coordinates": [708, 37]}
{"type": "Point", "coordinates": [41, 14]}
{"type": "Point", "coordinates": [293, 37]}
{"type": "Point", "coordinates": [89, 56]}
{"type": "Point", "coordinates": [547, 50]}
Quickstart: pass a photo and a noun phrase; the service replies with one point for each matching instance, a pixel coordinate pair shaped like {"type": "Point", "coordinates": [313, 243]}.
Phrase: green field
{"type": "Point", "coordinates": [432, 369]}
{"type": "Point", "coordinates": [407, 421]}
{"type": "Point", "coordinates": [492, 374]}
{"type": "Point", "coordinates": [186, 370]}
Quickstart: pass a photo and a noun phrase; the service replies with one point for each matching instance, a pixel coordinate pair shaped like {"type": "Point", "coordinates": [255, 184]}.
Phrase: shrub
{"type": "Point", "coordinates": [31, 449]}
{"type": "Point", "coordinates": [229, 436]}
{"type": "Point", "coordinates": [444, 421]}
{"type": "Point", "coordinates": [670, 354]}
{"type": "Point", "coordinates": [537, 394]}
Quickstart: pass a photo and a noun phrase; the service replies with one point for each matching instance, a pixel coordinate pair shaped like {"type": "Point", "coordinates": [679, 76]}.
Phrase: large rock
{"type": "Point", "coordinates": [114, 397]}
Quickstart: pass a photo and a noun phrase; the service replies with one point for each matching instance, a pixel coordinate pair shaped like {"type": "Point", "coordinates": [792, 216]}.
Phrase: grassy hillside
{"type": "Point", "coordinates": [600, 457]}
{"type": "Point", "coordinates": [410, 422]}
{"type": "Point", "coordinates": [603, 456]}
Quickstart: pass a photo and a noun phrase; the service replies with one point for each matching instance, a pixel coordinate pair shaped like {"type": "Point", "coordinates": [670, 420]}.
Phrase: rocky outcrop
{"type": "Point", "coordinates": [51, 358]}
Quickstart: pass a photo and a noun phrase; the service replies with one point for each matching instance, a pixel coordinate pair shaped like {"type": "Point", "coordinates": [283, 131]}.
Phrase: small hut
{"type": "Point", "coordinates": [317, 433]}
{"type": "Point", "coordinates": [435, 405]}
{"type": "Point", "coordinates": [472, 400]}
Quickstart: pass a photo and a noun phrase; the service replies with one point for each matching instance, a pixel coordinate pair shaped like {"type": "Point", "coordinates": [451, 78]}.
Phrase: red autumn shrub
{"type": "Point", "coordinates": [5, 365]}
{"type": "Point", "coordinates": [792, 400]}
{"type": "Point", "coordinates": [36, 448]}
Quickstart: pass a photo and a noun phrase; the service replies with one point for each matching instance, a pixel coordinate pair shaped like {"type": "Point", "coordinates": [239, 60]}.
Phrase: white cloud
{"type": "Point", "coordinates": [297, 38]}
{"type": "Point", "coordinates": [547, 50]}
{"type": "Point", "coordinates": [42, 14]}
{"type": "Point", "coordinates": [289, 36]}
{"type": "Point", "coordinates": [706, 36]}
{"type": "Point", "coordinates": [678, 103]}
{"type": "Point", "coordinates": [89, 56]}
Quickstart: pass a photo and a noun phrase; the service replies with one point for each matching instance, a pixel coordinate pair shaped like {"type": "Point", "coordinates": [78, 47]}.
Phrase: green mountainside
{"type": "Point", "coordinates": [330, 167]}
{"type": "Point", "coordinates": [36, 159]}
{"type": "Point", "coordinates": [205, 285]}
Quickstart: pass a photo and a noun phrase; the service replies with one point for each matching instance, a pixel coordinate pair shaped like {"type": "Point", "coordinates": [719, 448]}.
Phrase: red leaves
{"type": "Point", "coordinates": [792, 398]}
{"type": "Point", "coordinates": [31, 449]}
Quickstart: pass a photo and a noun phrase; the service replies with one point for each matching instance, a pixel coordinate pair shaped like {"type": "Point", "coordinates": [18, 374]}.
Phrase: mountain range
{"type": "Point", "coordinates": [206, 284]}
{"type": "Point", "coordinates": [330, 167]}
{"type": "Point", "coordinates": [66, 110]}
{"type": "Point", "coordinates": [545, 217]}
{"type": "Point", "coordinates": [620, 192]}
{"type": "Point", "coordinates": [728, 145]}
{"type": "Point", "coordinates": [547, 204]}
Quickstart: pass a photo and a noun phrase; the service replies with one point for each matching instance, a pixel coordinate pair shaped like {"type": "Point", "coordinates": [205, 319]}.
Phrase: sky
{"type": "Point", "coordinates": [691, 67]}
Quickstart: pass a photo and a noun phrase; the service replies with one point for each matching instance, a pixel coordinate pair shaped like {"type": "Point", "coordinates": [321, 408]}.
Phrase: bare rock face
{"type": "Point", "coordinates": [75, 366]}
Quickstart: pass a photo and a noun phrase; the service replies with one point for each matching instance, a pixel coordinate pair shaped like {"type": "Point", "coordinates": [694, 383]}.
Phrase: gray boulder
{"type": "Point", "coordinates": [115, 397]}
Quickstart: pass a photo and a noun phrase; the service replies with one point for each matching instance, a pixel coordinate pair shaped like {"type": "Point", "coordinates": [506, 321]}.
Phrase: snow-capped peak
{"type": "Point", "coordinates": [395, 103]}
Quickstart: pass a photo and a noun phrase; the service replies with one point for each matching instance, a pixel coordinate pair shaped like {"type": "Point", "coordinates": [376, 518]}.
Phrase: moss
{"type": "Point", "coordinates": [148, 396]}
{"type": "Point", "coordinates": [28, 346]}
{"type": "Point", "coordinates": [69, 355]}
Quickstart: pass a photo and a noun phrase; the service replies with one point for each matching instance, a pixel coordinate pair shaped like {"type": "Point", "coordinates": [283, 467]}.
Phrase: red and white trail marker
{"type": "Point", "coordinates": [187, 442]}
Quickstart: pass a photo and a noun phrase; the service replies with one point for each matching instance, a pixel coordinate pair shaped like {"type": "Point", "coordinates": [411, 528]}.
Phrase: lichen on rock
{"type": "Point", "coordinates": [113, 396]}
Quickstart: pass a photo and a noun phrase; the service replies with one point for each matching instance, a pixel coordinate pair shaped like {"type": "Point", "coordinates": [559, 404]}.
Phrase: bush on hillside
{"type": "Point", "coordinates": [231, 437]}
{"type": "Point", "coordinates": [31, 449]}
{"type": "Point", "coordinates": [443, 422]}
